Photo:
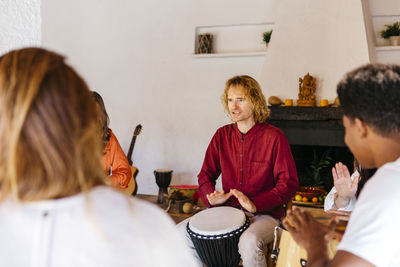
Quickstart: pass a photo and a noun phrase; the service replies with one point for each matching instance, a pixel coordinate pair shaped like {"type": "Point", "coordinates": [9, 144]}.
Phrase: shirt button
{"type": "Point", "coordinates": [241, 183]}
{"type": "Point", "coordinates": [241, 170]}
{"type": "Point", "coordinates": [241, 155]}
{"type": "Point", "coordinates": [241, 140]}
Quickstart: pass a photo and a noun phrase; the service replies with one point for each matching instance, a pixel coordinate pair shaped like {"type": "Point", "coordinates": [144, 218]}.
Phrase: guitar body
{"type": "Point", "coordinates": [132, 186]}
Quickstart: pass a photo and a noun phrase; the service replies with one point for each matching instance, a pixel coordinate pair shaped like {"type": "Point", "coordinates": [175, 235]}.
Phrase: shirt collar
{"type": "Point", "coordinates": [249, 133]}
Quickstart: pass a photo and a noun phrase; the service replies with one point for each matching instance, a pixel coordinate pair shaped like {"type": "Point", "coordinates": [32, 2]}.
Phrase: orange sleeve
{"type": "Point", "coordinates": [115, 158]}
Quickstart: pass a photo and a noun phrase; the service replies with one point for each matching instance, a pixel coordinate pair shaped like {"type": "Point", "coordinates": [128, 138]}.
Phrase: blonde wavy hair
{"type": "Point", "coordinates": [50, 145]}
{"type": "Point", "coordinates": [253, 94]}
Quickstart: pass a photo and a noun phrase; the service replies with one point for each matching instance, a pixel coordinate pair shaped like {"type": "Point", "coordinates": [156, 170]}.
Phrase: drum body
{"type": "Point", "coordinates": [292, 255]}
{"type": "Point", "coordinates": [215, 233]}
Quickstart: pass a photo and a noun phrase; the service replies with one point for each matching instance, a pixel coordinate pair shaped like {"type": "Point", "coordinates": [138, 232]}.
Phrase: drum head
{"type": "Point", "coordinates": [216, 221]}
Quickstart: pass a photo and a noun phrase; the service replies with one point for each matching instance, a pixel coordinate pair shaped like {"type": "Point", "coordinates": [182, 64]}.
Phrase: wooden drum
{"type": "Point", "coordinates": [290, 254]}
{"type": "Point", "coordinates": [215, 233]}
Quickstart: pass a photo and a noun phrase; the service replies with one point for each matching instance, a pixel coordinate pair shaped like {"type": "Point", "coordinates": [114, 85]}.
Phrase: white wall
{"type": "Point", "coordinates": [20, 24]}
{"type": "Point", "coordinates": [138, 55]}
{"type": "Point", "coordinates": [324, 38]}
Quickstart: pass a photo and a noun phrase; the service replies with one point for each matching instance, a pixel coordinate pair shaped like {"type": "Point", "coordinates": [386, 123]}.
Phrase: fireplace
{"type": "Point", "coordinates": [316, 137]}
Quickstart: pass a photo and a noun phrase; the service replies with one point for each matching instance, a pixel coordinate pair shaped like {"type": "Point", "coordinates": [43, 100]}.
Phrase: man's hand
{"type": "Point", "coordinates": [218, 197]}
{"type": "Point", "coordinates": [244, 201]}
{"type": "Point", "coordinates": [309, 234]}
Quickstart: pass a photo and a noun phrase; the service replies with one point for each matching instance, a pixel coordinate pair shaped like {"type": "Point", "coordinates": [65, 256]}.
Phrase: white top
{"type": "Point", "coordinates": [217, 221]}
{"type": "Point", "coordinates": [107, 228]}
{"type": "Point", "coordinates": [373, 230]}
{"type": "Point", "coordinates": [329, 202]}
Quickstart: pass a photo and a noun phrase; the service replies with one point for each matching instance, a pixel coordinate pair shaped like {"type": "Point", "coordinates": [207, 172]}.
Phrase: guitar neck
{"type": "Point", "coordinates": [131, 150]}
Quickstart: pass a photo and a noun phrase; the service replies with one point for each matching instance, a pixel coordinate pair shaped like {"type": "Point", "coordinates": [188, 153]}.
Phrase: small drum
{"type": "Point", "coordinates": [289, 254]}
{"type": "Point", "coordinates": [215, 233]}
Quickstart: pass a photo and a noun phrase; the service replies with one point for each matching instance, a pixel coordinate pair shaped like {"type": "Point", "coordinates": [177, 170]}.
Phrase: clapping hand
{"type": "Point", "coordinates": [345, 187]}
{"type": "Point", "coordinates": [218, 197]}
{"type": "Point", "coordinates": [244, 201]}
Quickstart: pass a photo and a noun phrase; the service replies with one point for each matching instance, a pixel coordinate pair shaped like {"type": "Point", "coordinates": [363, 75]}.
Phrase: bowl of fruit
{"type": "Point", "coordinates": [309, 195]}
{"type": "Point", "coordinates": [186, 190]}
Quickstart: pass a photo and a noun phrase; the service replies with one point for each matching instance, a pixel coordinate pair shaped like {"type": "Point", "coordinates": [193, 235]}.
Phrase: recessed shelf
{"type": "Point", "coordinates": [238, 54]}
{"type": "Point", "coordinates": [388, 48]}
{"type": "Point", "coordinates": [234, 40]}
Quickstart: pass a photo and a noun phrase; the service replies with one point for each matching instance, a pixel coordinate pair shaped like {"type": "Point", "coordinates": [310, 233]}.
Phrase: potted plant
{"type": "Point", "coordinates": [392, 32]}
{"type": "Point", "coordinates": [318, 170]}
{"type": "Point", "coordinates": [313, 180]}
{"type": "Point", "coordinates": [267, 37]}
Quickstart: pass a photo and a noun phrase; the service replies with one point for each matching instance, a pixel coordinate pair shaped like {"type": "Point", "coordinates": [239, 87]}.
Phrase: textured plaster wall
{"type": "Point", "coordinates": [329, 39]}
{"type": "Point", "coordinates": [138, 55]}
{"type": "Point", "coordinates": [20, 24]}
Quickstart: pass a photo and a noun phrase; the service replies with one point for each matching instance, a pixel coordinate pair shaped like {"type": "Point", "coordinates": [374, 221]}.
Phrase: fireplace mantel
{"type": "Point", "coordinates": [314, 126]}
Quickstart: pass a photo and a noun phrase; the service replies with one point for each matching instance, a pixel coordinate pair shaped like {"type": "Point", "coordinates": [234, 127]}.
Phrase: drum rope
{"type": "Point", "coordinates": [218, 250]}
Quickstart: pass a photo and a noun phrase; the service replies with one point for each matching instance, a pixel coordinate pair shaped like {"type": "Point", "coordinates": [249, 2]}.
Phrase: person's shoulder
{"type": "Point", "coordinates": [112, 135]}
{"type": "Point", "coordinates": [271, 130]}
{"type": "Point", "coordinates": [226, 129]}
{"type": "Point", "coordinates": [390, 170]}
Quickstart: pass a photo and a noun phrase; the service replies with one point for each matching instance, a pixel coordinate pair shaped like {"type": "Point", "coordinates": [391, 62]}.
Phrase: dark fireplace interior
{"type": "Point", "coordinates": [314, 163]}
{"type": "Point", "coordinates": [316, 137]}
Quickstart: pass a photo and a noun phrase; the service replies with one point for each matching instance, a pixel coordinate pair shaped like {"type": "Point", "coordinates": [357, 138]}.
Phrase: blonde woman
{"type": "Point", "coordinates": [55, 209]}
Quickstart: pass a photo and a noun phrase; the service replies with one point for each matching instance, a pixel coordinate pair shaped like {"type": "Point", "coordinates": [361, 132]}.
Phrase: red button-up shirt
{"type": "Point", "coordinates": [258, 163]}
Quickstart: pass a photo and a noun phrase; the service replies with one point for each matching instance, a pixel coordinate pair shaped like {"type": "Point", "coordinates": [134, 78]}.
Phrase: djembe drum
{"type": "Point", "coordinates": [215, 233]}
{"type": "Point", "coordinates": [163, 179]}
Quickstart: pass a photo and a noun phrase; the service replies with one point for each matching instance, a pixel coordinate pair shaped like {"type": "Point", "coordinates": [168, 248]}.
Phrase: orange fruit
{"type": "Point", "coordinates": [305, 199]}
{"type": "Point", "coordinates": [314, 199]}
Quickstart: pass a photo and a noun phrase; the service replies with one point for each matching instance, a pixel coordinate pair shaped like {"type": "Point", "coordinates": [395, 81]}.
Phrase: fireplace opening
{"type": "Point", "coordinates": [316, 138]}
{"type": "Point", "coordinates": [314, 163]}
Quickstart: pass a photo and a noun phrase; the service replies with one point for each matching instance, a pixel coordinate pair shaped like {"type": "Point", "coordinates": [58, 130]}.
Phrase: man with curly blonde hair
{"type": "Point", "coordinates": [256, 166]}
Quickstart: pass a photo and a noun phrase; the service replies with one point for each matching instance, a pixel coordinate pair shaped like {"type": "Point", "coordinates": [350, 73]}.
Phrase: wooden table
{"type": "Point", "coordinates": [177, 217]}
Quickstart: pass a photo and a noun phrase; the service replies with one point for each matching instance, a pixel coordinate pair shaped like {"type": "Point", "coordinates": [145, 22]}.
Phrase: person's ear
{"type": "Point", "coordinates": [361, 127]}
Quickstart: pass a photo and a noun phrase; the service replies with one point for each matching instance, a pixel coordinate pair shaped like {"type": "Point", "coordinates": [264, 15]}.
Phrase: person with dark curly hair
{"type": "Point", "coordinates": [370, 99]}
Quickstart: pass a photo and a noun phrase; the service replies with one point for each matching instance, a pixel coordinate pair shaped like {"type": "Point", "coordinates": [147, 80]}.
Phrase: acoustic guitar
{"type": "Point", "coordinates": [132, 186]}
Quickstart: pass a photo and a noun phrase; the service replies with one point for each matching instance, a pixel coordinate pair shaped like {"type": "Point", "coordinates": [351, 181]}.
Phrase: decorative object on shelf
{"type": "Point", "coordinates": [163, 179]}
{"type": "Point", "coordinates": [275, 101]}
{"type": "Point", "coordinates": [323, 103]}
{"type": "Point", "coordinates": [392, 32]}
{"type": "Point", "coordinates": [205, 43]}
{"type": "Point", "coordinates": [267, 37]}
{"type": "Point", "coordinates": [336, 102]}
{"type": "Point", "coordinates": [288, 102]}
{"type": "Point", "coordinates": [307, 87]}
